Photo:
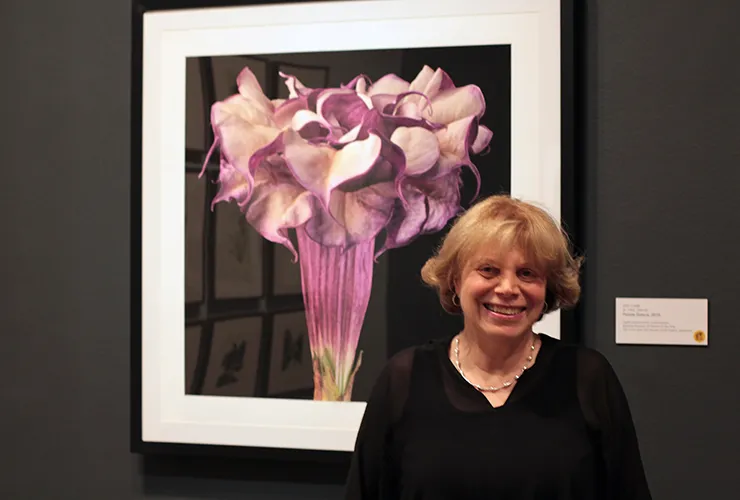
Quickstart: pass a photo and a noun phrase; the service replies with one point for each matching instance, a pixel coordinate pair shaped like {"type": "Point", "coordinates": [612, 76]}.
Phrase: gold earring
{"type": "Point", "coordinates": [454, 296]}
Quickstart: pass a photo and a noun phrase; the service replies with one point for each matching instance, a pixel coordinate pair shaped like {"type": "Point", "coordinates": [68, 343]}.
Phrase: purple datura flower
{"type": "Point", "coordinates": [340, 166]}
{"type": "Point", "coordinates": [352, 161]}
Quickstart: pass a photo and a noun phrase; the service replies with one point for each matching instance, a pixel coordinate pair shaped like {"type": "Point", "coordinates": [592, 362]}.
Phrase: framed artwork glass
{"type": "Point", "coordinates": [294, 165]}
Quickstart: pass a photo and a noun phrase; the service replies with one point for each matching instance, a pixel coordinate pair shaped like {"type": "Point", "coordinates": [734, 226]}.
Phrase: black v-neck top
{"type": "Point", "coordinates": [564, 433]}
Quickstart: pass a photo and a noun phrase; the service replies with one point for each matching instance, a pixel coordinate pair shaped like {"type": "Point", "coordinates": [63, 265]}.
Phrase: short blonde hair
{"type": "Point", "coordinates": [506, 223]}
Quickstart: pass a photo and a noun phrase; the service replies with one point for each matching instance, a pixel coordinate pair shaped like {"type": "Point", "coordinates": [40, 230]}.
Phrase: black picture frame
{"type": "Point", "coordinates": [571, 191]}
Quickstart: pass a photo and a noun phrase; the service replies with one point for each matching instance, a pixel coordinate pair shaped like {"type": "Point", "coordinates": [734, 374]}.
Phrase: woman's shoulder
{"type": "Point", "coordinates": [401, 363]}
{"type": "Point", "coordinates": [393, 385]}
{"type": "Point", "coordinates": [582, 354]}
{"type": "Point", "coordinates": [592, 367]}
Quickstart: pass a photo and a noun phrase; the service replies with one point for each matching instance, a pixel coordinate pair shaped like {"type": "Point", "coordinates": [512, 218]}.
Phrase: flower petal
{"type": "Point", "coordinates": [405, 112]}
{"type": "Point", "coordinates": [295, 87]}
{"type": "Point", "coordinates": [422, 79]}
{"type": "Point", "coordinates": [389, 168]}
{"type": "Point", "coordinates": [374, 122]}
{"type": "Point", "coordinates": [358, 84]}
{"type": "Point", "coordinates": [286, 111]}
{"type": "Point", "coordinates": [454, 104]}
{"type": "Point", "coordinates": [384, 103]}
{"type": "Point", "coordinates": [408, 110]}
{"type": "Point", "coordinates": [350, 136]}
{"type": "Point", "coordinates": [431, 203]}
{"type": "Point", "coordinates": [236, 180]}
{"type": "Point", "coordinates": [439, 82]}
{"type": "Point", "coordinates": [354, 216]}
{"type": "Point", "coordinates": [364, 213]}
{"type": "Point", "coordinates": [344, 109]}
{"type": "Point", "coordinates": [397, 111]}
{"type": "Point", "coordinates": [388, 84]}
{"type": "Point", "coordinates": [238, 107]}
{"type": "Point", "coordinates": [277, 204]}
{"type": "Point", "coordinates": [310, 125]}
{"type": "Point", "coordinates": [324, 229]}
{"type": "Point", "coordinates": [443, 200]}
{"type": "Point", "coordinates": [320, 169]}
{"type": "Point", "coordinates": [353, 160]}
{"type": "Point", "coordinates": [249, 89]}
{"type": "Point", "coordinates": [420, 147]}
{"type": "Point", "coordinates": [233, 185]}
{"type": "Point", "coordinates": [239, 139]}
{"type": "Point", "coordinates": [265, 156]}
{"type": "Point", "coordinates": [239, 142]}
{"type": "Point", "coordinates": [405, 223]}
{"type": "Point", "coordinates": [482, 139]}
{"type": "Point", "coordinates": [455, 141]}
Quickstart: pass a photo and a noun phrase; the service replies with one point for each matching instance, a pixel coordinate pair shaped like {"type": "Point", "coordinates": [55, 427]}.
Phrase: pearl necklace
{"type": "Point", "coordinates": [492, 388]}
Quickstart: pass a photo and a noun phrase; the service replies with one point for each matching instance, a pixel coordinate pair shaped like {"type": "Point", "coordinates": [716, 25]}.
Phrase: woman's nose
{"type": "Point", "coordinates": [507, 284]}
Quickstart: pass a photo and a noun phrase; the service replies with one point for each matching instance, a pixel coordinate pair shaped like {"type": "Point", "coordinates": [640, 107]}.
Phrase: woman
{"type": "Point", "coordinates": [497, 411]}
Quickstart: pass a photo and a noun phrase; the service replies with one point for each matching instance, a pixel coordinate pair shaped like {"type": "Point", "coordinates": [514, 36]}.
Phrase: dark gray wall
{"type": "Point", "coordinates": [661, 218]}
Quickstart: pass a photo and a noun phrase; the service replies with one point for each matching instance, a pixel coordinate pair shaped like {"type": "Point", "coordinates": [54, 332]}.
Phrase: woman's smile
{"type": "Point", "coordinates": [506, 313]}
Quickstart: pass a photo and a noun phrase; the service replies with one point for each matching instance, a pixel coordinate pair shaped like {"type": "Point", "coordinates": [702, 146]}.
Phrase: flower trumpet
{"type": "Point", "coordinates": [354, 171]}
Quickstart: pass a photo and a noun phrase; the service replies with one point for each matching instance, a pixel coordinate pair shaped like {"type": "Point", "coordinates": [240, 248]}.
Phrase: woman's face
{"type": "Point", "coordinates": [501, 293]}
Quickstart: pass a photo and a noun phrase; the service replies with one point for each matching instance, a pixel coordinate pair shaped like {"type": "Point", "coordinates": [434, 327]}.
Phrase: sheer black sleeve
{"type": "Point", "coordinates": [606, 408]}
{"type": "Point", "coordinates": [371, 475]}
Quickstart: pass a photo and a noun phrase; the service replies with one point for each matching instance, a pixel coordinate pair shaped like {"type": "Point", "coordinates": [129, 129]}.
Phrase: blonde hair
{"type": "Point", "coordinates": [505, 223]}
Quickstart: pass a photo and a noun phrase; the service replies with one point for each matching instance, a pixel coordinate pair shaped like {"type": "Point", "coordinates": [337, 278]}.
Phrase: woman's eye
{"type": "Point", "coordinates": [528, 274]}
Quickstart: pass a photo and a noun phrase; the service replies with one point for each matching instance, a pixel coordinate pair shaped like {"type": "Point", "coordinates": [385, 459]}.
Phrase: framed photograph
{"type": "Point", "coordinates": [294, 165]}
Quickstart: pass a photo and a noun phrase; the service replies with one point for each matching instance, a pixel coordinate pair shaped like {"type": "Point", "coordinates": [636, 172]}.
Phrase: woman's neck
{"type": "Point", "coordinates": [492, 355]}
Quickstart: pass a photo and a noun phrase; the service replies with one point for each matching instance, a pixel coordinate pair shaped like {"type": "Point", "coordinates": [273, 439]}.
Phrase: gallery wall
{"type": "Point", "coordinates": [660, 220]}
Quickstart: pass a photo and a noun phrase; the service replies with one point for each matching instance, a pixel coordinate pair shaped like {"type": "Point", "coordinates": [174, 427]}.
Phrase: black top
{"type": "Point", "coordinates": [565, 432]}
